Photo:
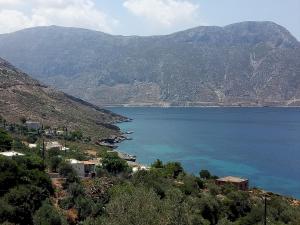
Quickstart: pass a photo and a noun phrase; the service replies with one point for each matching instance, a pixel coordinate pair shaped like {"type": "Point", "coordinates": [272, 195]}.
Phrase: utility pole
{"type": "Point", "coordinates": [43, 150]}
{"type": "Point", "coordinates": [265, 220]}
{"type": "Point", "coordinates": [264, 198]}
{"type": "Point", "coordinates": [66, 133]}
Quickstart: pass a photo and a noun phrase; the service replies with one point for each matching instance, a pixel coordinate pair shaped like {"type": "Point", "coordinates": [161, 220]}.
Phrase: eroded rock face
{"type": "Point", "coordinates": [250, 63]}
{"type": "Point", "coordinates": [22, 96]}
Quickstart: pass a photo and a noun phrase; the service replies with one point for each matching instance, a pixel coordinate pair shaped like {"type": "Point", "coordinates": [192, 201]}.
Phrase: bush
{"type": "Point", "coordinates": [84, 207]}
{"type": "Point", "coordinates": [210, 209]}
{"type": "Point", "coordinates": [238, 204]}
{"type": "Point", "coordinates": [5, 140]}
{"type": "Point", "coordinates": [32, 138]}
{"type": "Point", "coordinates": [9, 174]}
{"type": "Point", "coordinates": [205, 174]}
{"type": "Point", "coordinates": [47, 215]}
{"type": "Point", "coordinates": [6, 211]}
{"type": "Point", "coordinates": [39, 179]}
{"type": "Point", "coordinates": [54, 163]}
{"type": "Point", "coordinates": [113, 164]}
{"type": "Point", "coordinates": [25, 200]}
{"type": "Point", "coordinates": [30, 162]}
{"type": "Point", "coordinates": [142, 206]}
{"type": "Point", "coordinates": [75, 190]}
{"type": "Point", "coordinates": [152, 179]}
{"type": "Point", "coordinates": [173, 169]}
{"type": "Point", "coordinates": [66, 170]}
{"type": "Point", "coordinates": [190, 185]}
{"type": "Point", "coordinates": [157, 164]}
{"type": "Point", "coordinates": [66, 203]}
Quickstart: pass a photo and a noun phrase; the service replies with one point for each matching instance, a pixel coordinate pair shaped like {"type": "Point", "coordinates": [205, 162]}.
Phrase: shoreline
{"type": "Point", "coordinates": [124, 132]}
{"type": "Point", "coordinates": [160, 106]}
{"type": "Point", "coordinates": [251, 188]}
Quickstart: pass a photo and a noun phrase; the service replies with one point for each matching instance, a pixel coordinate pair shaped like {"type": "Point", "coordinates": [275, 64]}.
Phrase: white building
{"type": "Point", "coordinates": [32, 145]}
{"type": "Point", "coordinates": [11, 154]}
{"type": "Point", "coordinates": [53, 144]}
{"type": "Point", "coordinates": [84, 168]}
{"type": "Point", "coordinates": [137, 166]}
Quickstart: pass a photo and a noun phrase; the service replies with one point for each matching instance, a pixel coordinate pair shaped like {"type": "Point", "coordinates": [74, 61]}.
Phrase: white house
{"type": "Point", "coordinates": [83, 168]}
{"type": "Point", "coordinates": [137, 166]}
{"type": "Point", "coordinates": [11, 154]}
{"type": "Point", "coordinates": [53, 144]}
{"type": "Point", "coordinates": [32, 145]}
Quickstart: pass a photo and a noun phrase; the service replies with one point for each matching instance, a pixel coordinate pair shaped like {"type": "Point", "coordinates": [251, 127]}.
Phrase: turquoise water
{"type": "Point", "coordinates": [262, 144]}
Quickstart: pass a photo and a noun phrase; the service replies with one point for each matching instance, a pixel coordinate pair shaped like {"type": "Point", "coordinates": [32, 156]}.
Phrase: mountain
{"type": "Point", "coordinates": [22, 96]}
{"type": "Point", "coordinates": [248, 63]}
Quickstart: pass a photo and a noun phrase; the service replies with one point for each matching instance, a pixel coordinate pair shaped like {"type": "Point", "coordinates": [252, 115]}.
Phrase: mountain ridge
{"type": "Point", "coordinates": [248, 63]}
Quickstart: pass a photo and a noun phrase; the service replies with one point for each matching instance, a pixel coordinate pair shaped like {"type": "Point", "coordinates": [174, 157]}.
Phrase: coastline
{"type": "Point", "coordinates": [254, 185]}
{"type": "Point", "coordinates": [193, 106]}
{"type": "Point", "coordinates": [252, 189]}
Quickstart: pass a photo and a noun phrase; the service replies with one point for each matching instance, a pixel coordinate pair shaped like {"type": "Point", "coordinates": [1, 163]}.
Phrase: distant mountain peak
{"type": "Point", "coordinates": [247, 63]}
{"type": "Point", "coordinates": [264, 31]}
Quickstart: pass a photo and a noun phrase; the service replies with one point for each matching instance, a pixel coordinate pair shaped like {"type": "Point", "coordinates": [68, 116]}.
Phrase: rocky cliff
{"type": "Point", "coordinates": [24, 97]}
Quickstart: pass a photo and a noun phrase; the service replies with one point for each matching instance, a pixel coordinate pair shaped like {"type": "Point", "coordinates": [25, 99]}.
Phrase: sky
{"type": "Point", "coordinates": [145, 17]}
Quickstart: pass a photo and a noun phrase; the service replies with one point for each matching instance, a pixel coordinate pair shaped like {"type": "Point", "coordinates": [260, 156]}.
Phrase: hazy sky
{"type": "Point", "coordinates": [145, 17]}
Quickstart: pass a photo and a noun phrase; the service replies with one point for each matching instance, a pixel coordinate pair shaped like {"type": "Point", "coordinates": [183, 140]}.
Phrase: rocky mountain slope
{"type": "Point", "coordinates": [22, 96]}
{"type": "Point", "coordinates": [249, 63]}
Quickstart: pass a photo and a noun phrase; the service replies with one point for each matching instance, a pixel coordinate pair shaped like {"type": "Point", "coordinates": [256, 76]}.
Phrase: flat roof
{"type": "Point", "coordinates": [232, 179]}
{"type": "Point", "coordinates": [88, 162]}
{"type": "Point", "coordinates": [74, 161]}
{"type": "Point", "coordinates": [11, 153]}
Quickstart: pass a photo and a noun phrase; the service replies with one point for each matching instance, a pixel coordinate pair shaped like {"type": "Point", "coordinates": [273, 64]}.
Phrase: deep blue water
{"type": "Point", "coordinates": [262, 144]}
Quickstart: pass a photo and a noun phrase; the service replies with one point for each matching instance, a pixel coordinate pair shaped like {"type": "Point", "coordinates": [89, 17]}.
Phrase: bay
{"type": "Point", "coordinates": [261, 144]}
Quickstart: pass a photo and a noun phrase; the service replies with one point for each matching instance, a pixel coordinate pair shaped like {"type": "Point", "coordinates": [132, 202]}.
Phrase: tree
{"type": "Point", "coordinates": [54, 163]}
{"type": "Point", "coordinates": [17, 144]}
{"type": "Point", "coordinates": [30, 162]}
{"type": "Point", "coordinates": [157, 164]}
{"type": "Point", "coordinates": [205, 174]}
{"type": "Point", "coordinates": [173, 169]}
{"type": "Point", "coordinates": [47, 215]}
{"type": "Point", "coordinates": [238, 204]}
{"type": "Point", "coordinates": [190, 184]}
{"type": "Point", "coordinates": [5, 140]}
{"type": "Point", "coordinates": [66, 170]}
{"type": "Point", "coordinates": [152, 179]}
{"type": "Point", "coordinates": [75, 190]}
{"type": "Point", "coordinates": [39, 179]}
{"type": "Point", "coordinates": [6, 211]}
{"type": "Point", "coordinates": [139, 207]}
{"type": "Point", "coordinates": [23, 170]}
{"type": "Point", "coordinates": [74, 135]}
{"type": "Point", "coordinates": [113, 164]}
{"type": "Point", "coordinates": [209, 208]}
{"type": "Point", "coordinates": [32, 138]}
{"type": "Point", "coordinates": [84, 207]}
{"type": "Point", "coordinates": [9, 174]}
{"type": "Point", "coordinates": [25, 200]}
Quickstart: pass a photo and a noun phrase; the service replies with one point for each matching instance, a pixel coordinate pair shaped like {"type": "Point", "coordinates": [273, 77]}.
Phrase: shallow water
{"type": "Point", "coordinates": [262, 144]}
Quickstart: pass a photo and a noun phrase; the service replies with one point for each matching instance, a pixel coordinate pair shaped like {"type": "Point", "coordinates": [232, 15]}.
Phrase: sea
{"type": "Point", "coordinates": [261, 144]}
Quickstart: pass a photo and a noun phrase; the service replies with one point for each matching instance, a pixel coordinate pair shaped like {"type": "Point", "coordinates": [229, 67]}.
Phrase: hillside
{"type": "Point", "coordinates": [249, 63]}
{"type": "Point", "coordinates": [22, 96]}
